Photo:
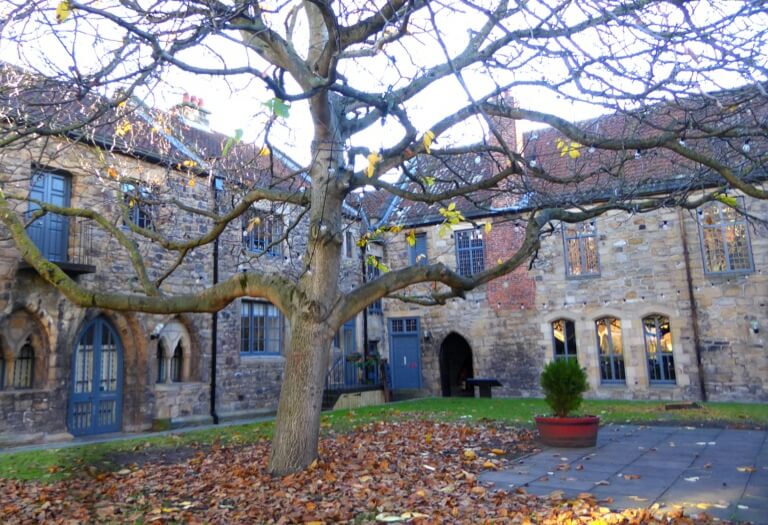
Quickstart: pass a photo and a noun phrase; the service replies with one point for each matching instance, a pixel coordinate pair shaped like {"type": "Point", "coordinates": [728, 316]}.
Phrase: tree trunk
{"type": "Point", "coordinates": [297, 427]}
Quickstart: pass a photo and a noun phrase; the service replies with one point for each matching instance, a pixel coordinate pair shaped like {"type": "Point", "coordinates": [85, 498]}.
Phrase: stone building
{"type": "Point", "coordinates": [68, 371]}
{"type": "Point", "coordinates": [662, 305]}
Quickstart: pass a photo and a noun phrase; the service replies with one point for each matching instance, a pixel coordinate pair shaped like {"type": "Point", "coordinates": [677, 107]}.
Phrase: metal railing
{"type": "Point", "coordinates": [78, 248]}
{"type": "Point", "coordinates": [350, 372]}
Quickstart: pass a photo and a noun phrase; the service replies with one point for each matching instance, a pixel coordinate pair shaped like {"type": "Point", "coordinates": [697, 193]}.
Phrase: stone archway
{"type": "Point", "coordinates": [455, 366]}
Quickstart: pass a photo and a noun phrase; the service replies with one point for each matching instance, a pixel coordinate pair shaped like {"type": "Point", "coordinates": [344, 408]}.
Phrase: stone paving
{"type": "Point", "coordinates": [721, 471]}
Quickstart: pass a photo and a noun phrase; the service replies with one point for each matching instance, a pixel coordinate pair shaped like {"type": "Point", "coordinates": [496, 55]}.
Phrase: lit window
{"type": "Point", "coordinates": [610, 350]}
{"type": "Point", "coordinates": [580, 241]}
{"type": "Point", "coordinates": [176, 364]}
{"type": "Point", "coordinates": [137, 199]}
{"type": "Point", "coordinates": [261, 328]}
{"type": "Point", "coordinates": [564, 339]}
{"type": "Point", "coordinates": [658, 348]}
{"type": "Point", "coordinates": [724, 239]}
{"type": "Point", "coordinates": [470, 254]}
{"type": "Point", "coordinates": [262, 234]}
{"type": "Point", "coordinates": [23, 366]}
{"type": "Point", "coordinates": [417, 254]}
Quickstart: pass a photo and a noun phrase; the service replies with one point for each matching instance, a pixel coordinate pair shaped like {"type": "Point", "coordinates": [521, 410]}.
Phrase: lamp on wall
{"type": "Point", "coordinates": [754, 326]}
{"type": "Point", "coordinates": [427, 335]}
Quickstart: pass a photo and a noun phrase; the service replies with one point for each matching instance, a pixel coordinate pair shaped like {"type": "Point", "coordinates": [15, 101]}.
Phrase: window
{"type": "Point", "coordinates": [658, 348]}
{"type": "Point", "coordinates": [564, 339]}
{"type": "Point", "coordinates": [160, 362]}
{"type": "Point", "coordinates": [176, 364]}
{"type": "Point", "coordinates": [610, 350]}
{"type": "Point", "coordinates": [139, 210]}
{"type": "Point", "coordinates": [470, 256]}
{"type": "Point", "coordinates": [417, 254]}
{"type": "Point", "coordinates": [262, 233]}
{"type": "Point", "coordinates": [2, 369]}
{"type": "Point", "coordinates": [373, 273]}
{"type": "Point", "coordinates": [23, 366]}
{"type": "Point", "coordinates": [349, 245]}
{"type": "Point", "coordinates": [580, 242]}
{"type": "Point", "coordinates": [724, 239]}
{"type": "Point", "coordinates": [261, 328]}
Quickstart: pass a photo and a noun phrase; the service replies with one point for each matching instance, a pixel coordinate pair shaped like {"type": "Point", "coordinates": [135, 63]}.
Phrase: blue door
{"type": "Point", "coordinates": [50, 232]}
{"type": "Point", "coordinates": [404, 351]}
{"type": "Point", "coordinates": [95, 402]}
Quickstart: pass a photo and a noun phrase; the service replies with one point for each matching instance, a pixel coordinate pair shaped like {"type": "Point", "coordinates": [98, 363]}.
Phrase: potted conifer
{"type": "Point", "coordinates": [564, 383]}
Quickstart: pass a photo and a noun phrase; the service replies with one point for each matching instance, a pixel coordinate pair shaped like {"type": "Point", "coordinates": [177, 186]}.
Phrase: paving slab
{"type": "Point", "coordinates": [723, 472]}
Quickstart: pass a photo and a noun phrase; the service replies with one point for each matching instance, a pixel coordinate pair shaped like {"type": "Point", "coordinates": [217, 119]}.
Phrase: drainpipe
{"type": "Point", "coordinates": [365, 311]}
{"type": "Point", "coordinates": [214, 317]}
{"type": "Point", "coordinates": [694, 308]}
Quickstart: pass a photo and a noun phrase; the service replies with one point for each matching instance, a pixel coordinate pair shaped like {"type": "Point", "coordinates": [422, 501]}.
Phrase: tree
{"type": "Point", "coordinates": [687, 80]}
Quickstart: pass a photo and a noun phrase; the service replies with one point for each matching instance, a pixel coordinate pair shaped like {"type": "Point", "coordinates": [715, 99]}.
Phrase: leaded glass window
{"type": "Point", "coordinates": [580, 242]}
{"type": "Point", "coordinates": [177, 360]}
{"type": "Point", "coordinates": [261, 328]}
{"type": "Point", "coordinates": [262, 234]}
{"type": "Point", "coordinates": [658, 349]}
{"type": "Point", "coordinates": [24, 366]}
{"type": "Point", "coordinates": [470, 252]}
{"type": "Point", "coordinates": [725, 239]}
{"type": "Point", "coordinates": [137, 199]}
{"type": "Point", "coordinates": [610, 350]}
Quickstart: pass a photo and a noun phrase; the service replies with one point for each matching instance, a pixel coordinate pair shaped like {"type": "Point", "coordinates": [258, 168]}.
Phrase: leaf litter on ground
{"type": "Point", "coordinates": [384, 470]}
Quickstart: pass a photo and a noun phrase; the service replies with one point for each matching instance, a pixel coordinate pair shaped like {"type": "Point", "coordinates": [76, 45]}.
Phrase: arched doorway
{"type": "Point", "coordinates": [96, 393]}
{"type": "Point", "coordinates": [456, 366]}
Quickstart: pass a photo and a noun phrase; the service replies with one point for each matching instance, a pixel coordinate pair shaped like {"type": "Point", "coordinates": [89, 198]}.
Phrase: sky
{"type": "Point", "coordinates": [239, 104]}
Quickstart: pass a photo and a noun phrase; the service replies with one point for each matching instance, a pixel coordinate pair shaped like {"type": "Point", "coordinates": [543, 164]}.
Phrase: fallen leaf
{"type": "Point", "coordinates": [746, 469]}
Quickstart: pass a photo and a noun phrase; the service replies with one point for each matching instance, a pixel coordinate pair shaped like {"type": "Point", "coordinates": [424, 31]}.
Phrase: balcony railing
{"type": "Point", "coordinates": [74, 254]}
{"type": "Point", "coordinates": [350, 373]}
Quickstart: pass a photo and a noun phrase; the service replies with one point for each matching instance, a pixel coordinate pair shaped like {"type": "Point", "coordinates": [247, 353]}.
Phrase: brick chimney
{"type": "Point", "coordinates": [192, 113]}
{"type": "Point", "coordinates": [506, 127]}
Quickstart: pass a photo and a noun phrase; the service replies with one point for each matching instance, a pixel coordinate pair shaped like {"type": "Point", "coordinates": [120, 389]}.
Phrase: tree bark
{"type": "Point", "coordinates": [297, 428]}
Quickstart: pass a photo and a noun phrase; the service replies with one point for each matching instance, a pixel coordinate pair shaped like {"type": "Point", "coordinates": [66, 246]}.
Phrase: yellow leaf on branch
{"type": "Point", "coordinates": [264, 151]}
{"type": "Point", "coordinates": [411, 238]}
{"type": "Point", "coordinates": [373, 159]}
{"type": "Point", "coordinates": [488, 227]}
{"type": "Point", "coordinates": [252, 224]}
{"type": "Point", "coordinates": [63, 10]}
{"type": "Point", "coordinates": [429, 136]}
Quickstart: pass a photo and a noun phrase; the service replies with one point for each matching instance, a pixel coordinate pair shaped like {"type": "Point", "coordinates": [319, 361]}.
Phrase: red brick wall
{"type": "Point", "coordinates": [516, 290]}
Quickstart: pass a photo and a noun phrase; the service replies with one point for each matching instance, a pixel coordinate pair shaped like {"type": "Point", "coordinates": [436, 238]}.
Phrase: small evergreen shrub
{"type": "Point", "coordinates": [564, 382]}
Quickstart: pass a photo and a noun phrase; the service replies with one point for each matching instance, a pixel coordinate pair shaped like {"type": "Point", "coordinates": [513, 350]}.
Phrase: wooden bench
{"type": "Point", "coordinates": [484, 383]}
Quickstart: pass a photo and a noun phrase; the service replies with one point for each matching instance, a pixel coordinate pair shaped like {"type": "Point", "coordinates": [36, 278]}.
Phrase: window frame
{"type": "Point", "coordinates": [659, 354]}
{"type": "Point", "coordinates": [566, 341]}
{"type": "Point", "coordinates": [419, 248]}
{"type": "Point", "coordinates": [349, 245]}
{"type": "Point", "coordinates": [261, 236]}
{"type": "Point", "coordinates": [476, 265]}
{"type": "Point", "coordinates": [29, 367]}
{"type": "Point", "coordinates": [611, 354]}
{"type": "Point", "coordinates": [267, 337]}
{"type": "Point", "coordinates": [377, 306]}
{"type": "Point", "coordinates": [176, 368]}
{"type": "Point", "coordinates": [722, 226]}
{"type": "Point", "coordinates": [581, 237]}
{"type": "Point", "coordinates": [140, 213]}
{"type": "Point", "coordinates": [161, 368]}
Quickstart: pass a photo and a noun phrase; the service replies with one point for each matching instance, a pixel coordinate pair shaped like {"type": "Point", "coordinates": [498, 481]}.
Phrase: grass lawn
{"type": "Point", "coordinates": [63, 462]}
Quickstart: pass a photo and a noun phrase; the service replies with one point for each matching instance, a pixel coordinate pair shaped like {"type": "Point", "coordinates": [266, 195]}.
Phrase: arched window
{"type": "Point", "coordinates": [610, 350]}
{"type": "Point", "coordinates": [564, 339]}
{"type": "Point", "coordinates": [658, 349]}
{"type": "Point", "coordinates": [160, 362]}
{"type": "Point", "coordinates": [24, 366]}
{"type": "Point", "coordinates": [176, 364]}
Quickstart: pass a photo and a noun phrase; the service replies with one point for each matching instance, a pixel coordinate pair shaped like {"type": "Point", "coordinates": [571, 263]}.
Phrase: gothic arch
{"type": "Point", "coordinates": [20, 331]}
{"type": "Point", "coordinates": [456, 366]}
{"type": "Point", "coordinates": [172, 335]}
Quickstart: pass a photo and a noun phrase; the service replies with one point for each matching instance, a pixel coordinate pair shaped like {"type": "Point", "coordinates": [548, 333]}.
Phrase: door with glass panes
{"type": "Point", "coordinates": [95, 403]}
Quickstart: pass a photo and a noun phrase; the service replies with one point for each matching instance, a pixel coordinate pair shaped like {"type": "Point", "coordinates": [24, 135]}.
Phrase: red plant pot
{"type": "Point", "coordinates": [569, 432]}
